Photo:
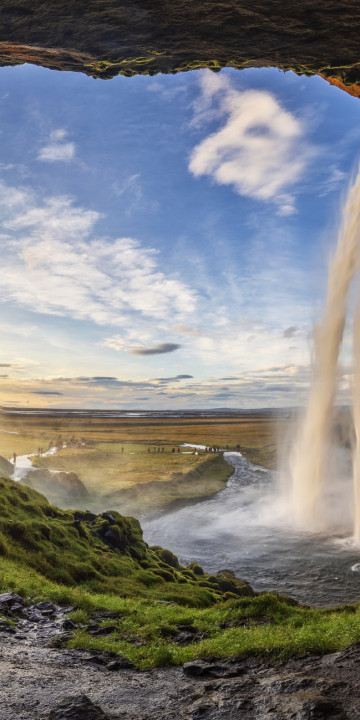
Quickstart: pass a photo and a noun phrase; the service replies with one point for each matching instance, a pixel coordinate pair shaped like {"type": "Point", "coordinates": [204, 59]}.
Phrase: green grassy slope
{"type": "Point", "coordinates": [102, 553]}
{"type": "Point", "coordinates": [159, 611]}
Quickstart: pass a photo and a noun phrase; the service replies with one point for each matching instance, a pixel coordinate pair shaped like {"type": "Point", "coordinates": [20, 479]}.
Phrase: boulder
{"type": "Point", "coordinates": [11, 603]}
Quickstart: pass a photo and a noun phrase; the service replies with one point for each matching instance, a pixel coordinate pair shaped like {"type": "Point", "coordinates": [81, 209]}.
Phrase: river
{"type": "Point", "coordinates": [243, 528]}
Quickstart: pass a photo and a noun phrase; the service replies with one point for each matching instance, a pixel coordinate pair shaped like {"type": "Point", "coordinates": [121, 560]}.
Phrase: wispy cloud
{"type": "Point", "coordinates": [334, 180]}
{"type": "Point", "coordinates": [57, 150]}
{"type": "Point", "coordinates": [260, 150]}
{"type": "Point", "coordinates": [52, 263]}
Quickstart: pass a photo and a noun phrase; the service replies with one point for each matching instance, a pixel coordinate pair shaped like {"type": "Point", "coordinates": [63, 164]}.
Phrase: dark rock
{"type": "Point", "coordinates": [184, 638]}
{"type": "Point", "coordinates": [103, 630]}
{"type": "Point", "coordinates": [45, 608]}
{"type": "Point", "coordinates": [319, 708]}
{"type": "Point", "coordinates": [93, 627]}
{"type": "Point", "coordinates": [106, 614]}
{"type": "Point", "coordinates": [216, 669]}
{"type": "Point", "coordinates": [188, 628]}
{"type": "Point", "coordinates": [102, 657]}
{"type": "Point", "coordinates": [121, 663]}
{"type": "Point", "coordinates": [108, 516]}
{"type": "Point", "coordinates": [60, 640]}
{"type": "Point", "coordinates": [11, 602]}
{"type": "Point", "coordinates": [9, 629]}
{"type": "Point", "coordinates": [77, 708]}
{"type": "Point", "coordinates": [68, 624]}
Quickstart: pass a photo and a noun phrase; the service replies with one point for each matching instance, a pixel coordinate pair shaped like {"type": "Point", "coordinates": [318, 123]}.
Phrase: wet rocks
{"type": "Point", "coordinates": [61, 639]}
{"type": "Point", "coordinates": [46, 684]}
{"type": "Point", "coordinates": [45, 608]}
{"type": "Point", "coordinates": [101, 629]}
{"type": "Point", "coordinates": [121, 663]}
{"type": "Point", "coordinates": [212, 669]}
{"type": "Point", "coordinates": [319, 708]}
{"type": "Point", "coordinates": [11, 603]}
{"type": "Point", "coordinates": [79, 707]}
{"type": "Point", "coordinates": [68, 625]}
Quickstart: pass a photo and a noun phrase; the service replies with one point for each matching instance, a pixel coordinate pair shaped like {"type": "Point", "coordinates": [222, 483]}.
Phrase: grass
{"type": "Point", "coordinates": [98, 563]}
{"type": "Point", "coordinates": [265, 626]}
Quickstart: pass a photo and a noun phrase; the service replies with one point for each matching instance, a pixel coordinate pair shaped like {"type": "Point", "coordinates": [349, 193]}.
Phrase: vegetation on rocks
{"type": "Point", "coordinates": [140, 602]}
{"type": "Point", "coordinates": [102, 553]}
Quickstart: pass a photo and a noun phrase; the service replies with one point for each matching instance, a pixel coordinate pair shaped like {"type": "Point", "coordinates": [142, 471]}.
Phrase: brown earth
{"type": "Point", "coordinates": [105, 37]}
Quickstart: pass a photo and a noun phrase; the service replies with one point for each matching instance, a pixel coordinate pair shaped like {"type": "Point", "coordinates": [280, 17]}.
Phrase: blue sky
{"type": "Point", "coordinates": [165, 239]}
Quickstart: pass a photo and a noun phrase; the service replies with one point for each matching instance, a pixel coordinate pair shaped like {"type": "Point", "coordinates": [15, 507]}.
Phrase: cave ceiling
{"type": "Point", "coordinates": [104, 38]}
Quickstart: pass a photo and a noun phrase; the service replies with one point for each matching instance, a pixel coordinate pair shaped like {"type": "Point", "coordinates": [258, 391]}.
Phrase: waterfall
{"type": "Point", "coordinates": [307, 462]}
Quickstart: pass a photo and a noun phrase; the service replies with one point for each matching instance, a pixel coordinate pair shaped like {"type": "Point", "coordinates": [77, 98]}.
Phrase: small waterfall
{"type": "Point", "coordinates": [307, 462]}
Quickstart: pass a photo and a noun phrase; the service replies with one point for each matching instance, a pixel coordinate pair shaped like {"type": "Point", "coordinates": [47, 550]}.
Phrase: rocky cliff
{"type": "Point", "coordinates": [105, 37]}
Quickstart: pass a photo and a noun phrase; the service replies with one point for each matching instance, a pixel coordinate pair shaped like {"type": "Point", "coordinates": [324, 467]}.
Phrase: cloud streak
{"type": "Point", "coordinates": [156, 350]}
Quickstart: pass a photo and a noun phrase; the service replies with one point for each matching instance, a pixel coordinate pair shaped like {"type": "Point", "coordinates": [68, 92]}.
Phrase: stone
{"type": "Point", "coordinates": [60, 640]}
{"type": "Point", "coordinates": [45, 607]}
{"type": "Point", "coordinates": [11, 602]}
{"type": "Point", "coordinates": [216, 669]}
{"type": "Point", "coordinates": [105, 38]}
{"type": "Point", "coordinates": [68, 624]}
{"type": "Point", "coordinates": [103, 630]}
{"type": "Point", "coordinates": [102, 657]}
{"type": "Point", "coordinates": [121, 663]}
{"type": "Point", "coordinates": [78, 707]}
{"type": "Point", "coordinates": [319, 708]}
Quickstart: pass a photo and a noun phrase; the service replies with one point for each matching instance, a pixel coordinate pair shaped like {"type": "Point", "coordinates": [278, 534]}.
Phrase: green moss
{"type": "Point", "coordinates": [105, 553]}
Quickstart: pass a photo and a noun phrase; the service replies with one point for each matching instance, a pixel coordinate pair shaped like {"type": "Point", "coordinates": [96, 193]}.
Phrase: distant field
{"type": "Point", "coordinates": [255, 435]}
{"type": "Point", "coordinates": [115, 464]}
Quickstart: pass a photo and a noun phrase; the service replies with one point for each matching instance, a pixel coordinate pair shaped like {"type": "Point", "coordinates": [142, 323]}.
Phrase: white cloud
{"type": "Point", "coordinates": [57, 150]}
{"type": "Point", "coordinates": [53, 264]}
{"type": "Point", "coordinates": [260, 150]}
{"type": "Point", "coordinates": [63, 152]}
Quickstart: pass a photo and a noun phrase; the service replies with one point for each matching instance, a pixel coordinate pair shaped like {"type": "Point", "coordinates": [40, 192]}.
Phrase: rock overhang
{"type": "Point", "coordinates": [104, 38]}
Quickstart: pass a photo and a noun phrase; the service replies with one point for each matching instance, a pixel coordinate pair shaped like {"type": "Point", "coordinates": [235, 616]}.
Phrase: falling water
{"type": "Point", "coordinates": [356, 416]}
{"type": "Point", "coordinates": [308, 458]}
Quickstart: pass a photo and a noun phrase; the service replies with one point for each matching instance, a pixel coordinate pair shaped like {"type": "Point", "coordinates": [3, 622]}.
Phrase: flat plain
{"type": "Point", "coordinates": [138, 464]}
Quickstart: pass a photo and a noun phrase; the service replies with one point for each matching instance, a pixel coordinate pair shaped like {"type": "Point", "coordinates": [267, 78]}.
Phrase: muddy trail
{"type": "Point", "coordinates": [43, 682]}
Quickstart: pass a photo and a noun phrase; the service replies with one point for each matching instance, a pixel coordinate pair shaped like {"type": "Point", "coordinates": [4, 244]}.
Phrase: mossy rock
{"type": "Point", "coordinates": [166, 556]}
{"type": "Point", "coordinates": [227, 582]}
{"type": "Point", "coordinates": [197, 569]}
